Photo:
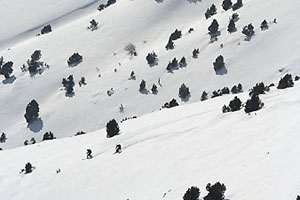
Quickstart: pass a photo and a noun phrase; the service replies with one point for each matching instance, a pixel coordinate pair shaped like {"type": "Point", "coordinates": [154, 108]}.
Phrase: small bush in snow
{"type": "Point", "coordinates": [74, 60]}
{"type": "Point", "coordinates": [264, 25]}
{"type": "Point", "coordinates": [48, 136]}
{"type": "Point", "coordinates": [171, 104]}
{"type": "Point", "coordinates": [204, 96]}
{"type": "Point", "coordinates": [93, 25]}
{"type": "Point", "coordinates": [154, 89]}
{"type": "Point", "coordinates": [231, 26]}
{"type": "Point", "coordinates": [175, 35]}
{"type": "Point", "coordinates": [248, 30]}
{"type": "Point", "coordinates": [182, 62]}
{"type": "Point", "coordinates": [195, 53]}
{"type": "Point", "coordinates": [151, 58]}
{"type": "Point", "coordinates": [211, 11]}
{"type": "Point", "coordinates": [28, 168]}
{"type": "Point", "coordinates": [46, 29]}
{"type": "Point", "coordinates": [3, 138]}
{"type": "Point", "coordinates": [170, 45]}
{"type": "Point", "coordinates": [259, 88]}
{"type": "Point", "coordinates": [130, 49]}
{"type": "Point", "coordinates": [213, 28]}
{"type": "Point", "coordinates": [142, 86]}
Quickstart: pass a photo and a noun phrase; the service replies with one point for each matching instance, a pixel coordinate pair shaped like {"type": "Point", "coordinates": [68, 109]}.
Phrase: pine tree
{"type": "Point", "coordinates": [28, 168]}
{"type": "Point", "coordinates": [226, 4]}
{"type": "Point", "coordinates": [195, 53]}
{"type": "Point", "coordinates": [182, 62]}
{"type": "Point", "coordinates": [235, 104]}
{"type": "Point", "coordinates": [219, 63]}
{"type": "Point", "coordinates": [6, 69]}
{"type": "Point", "coordinates": [231, 26]}
{"type": "Point", "coordinates": [237, 5]}
{"type": "Point", "coordinates": [3, 138]}
{"type": "Point", "coordinates": [213, 28]}
{"type": "Point", "coordinates": [264, 25]}
{"type": "Point", "coordinates": [253, 104]}
{"type": "Point", "coordinates": [32, 111]}
{"type": "Point", "coordinates": [215, 192]}
{"type": "Point", "coordinates": [142, 85]}
{"type": "Point", "coordinates": [184, 91]}
{"type": "Point", "coordinates": [192, 193]}
{"type": "Point", "coordinates": [204, 96]}
{"type": "Point", "coordinates": [112, 128]}
{"type": "Point", "coordinates": [154, 89]}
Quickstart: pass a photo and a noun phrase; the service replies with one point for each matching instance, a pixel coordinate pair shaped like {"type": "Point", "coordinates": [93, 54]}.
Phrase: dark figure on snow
{"type": "Point", "coordinates": [118, 148]}
{"type": "Point", "coordinates": [89, 154]}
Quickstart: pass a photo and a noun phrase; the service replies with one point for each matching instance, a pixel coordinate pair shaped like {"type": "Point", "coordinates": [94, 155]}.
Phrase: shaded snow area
{"type": "Point", "coordinates": [164, 151]}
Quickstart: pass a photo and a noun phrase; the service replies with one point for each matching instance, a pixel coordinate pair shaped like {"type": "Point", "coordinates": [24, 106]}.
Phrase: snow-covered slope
{"type": "Point", "coordinates": [166, 152]}
{"type": "Point", "coordinates": [147, 24]}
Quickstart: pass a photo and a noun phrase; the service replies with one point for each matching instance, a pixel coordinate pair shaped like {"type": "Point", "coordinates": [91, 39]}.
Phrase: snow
{"type": "Point", "coordinates": [165, 151]}
{"type": "Point", "coordinates": [171, 149]}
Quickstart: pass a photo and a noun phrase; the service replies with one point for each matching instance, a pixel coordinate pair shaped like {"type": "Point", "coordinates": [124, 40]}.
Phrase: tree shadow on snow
{"type": "Point", "coordinates": [222, 71]}
{"type": "Point", "coordinates": [144, 91]}
{"type": "Point", "coordinates": [9, 80]}
{"type": "Point", "coordinates": [159, 1]}
{"type": "Point", "coordinates": [194, 1]}
{"type": "Point", "coordinates": [36, 126]}
{"type": "Point", "coordinates": [186, 99]}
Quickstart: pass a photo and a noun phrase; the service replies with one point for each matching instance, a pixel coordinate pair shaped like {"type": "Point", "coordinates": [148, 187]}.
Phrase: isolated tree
{"type": "Point", "coordinates": [171, 104]}
{"type": "Point", "coordinates": [182, 62]}
{"type": "Point", "coordinates": [142, 85]}
{"type": "Point", "coordinates": [28, 168]}
{"type": "Point", "coordinates": [192, 193]}
{"type": "Point", "coordinates": [32, 140]}
{"type": "Point", "coordinates": [46, 29]}
{"type": "Point", "coordinates": [132, 75]}
{"type": "Point", "coordinates": [195, 53]}
{"type": "Point", "coordinates": [101, 7]}
{"type": "Point", "coordinates": [225, 109]}
{"type": "Point", "coordinates": [32, 111]}
{"type": "Point", "coordinates": [93, 25]}
{"type": "Point", "coordinates": [130, 49]}
{"type": "Point", "coordinates": [235, 104]}
{"type": "Point", "coordinates": [68, 84]}
{"type": "Point", "coordinates": [248, 30]}
{"type": "Point", "coordinates": [226, 4]}
{"type": "Point", "coordinates": [112, 128]}
{"type": "Point", "coordinates": [3, 138]}
{"type": "Point", "coordinates": [237, 5]}
{"type": "Point", "coordinates": [170, 45]}
{"type": "Point", "coordinates": [264, 25]}
{"type": "Point", "coordinates": [285, 82]}
{"type": "Point", "coordinates": [235, 17]}
{"type": "Point", "coordinates": [231, 26]}
{"type": "Point", "coordinates": [175, 35]}
{"type": "Point", "coordinates": [184, 91]}
{"type": "Point", "coordinates": [6, 69]}
{"type": "Point", "coordinates": [82, 81]}
{"type": "Point", "coordinates": [298, 197]}
{"type": "Point", "coordinates": [215, 192]}
{"type": "Point", "coordinates": [34, 64]}
{"type": "Point", "coordinates": [213, 28]}
{"type": "Point", "coordinates": [219, 63]}
{"type": "Point", "coordinates": [154, 89]}
{"type": "Point", "coordinates": [151, 58]}
{"type": "Point", "coordinates": [204, 96]}
{"type": "Point", "coordinates": [74, 60]}
{"type": "Point", "coordinates": [253, 104]}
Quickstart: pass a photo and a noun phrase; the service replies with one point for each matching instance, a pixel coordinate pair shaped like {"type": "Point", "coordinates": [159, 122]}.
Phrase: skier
{"type": "Point", "coordinates": [89, 154]}
{"type": "Point", "coordinates": [118, 148]}
{"type": "Point", "coordinates": [121, 108]}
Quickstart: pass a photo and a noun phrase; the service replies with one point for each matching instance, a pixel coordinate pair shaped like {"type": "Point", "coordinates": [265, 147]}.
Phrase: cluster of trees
{"type": "Point", "coordinates": [6, 68]}
{"type": "Point", "coordinates": [171, 104]}
{"type": "Point", "coordinates": [234, 105]}
{"type": "Point", "coordinates": [34, 65]}
{"type": "Point", "coordinates": [142, 87]}
{"type": "Point", "coordinates": [215, 192]}
{"type": "Point", "coordinates": [127, 118]}
{"type": "Point", "coordinates": [211, 11]}
{"type": "Point", "coordinates": [48, 136]}
{"type": "Point", "coordinates": [216, 93]}
{"type": "Point", "coordinates": [80, 133]}
{"type": "Point", "coordinates": [32, 111]}
{"type": "Point", "coordinates": [174, 64]}
{"type": "Point", "coordinates": [68, 84]}
{"type": "Point", "coordinates": [103, 6]}
{"type": "Point", "coordinates": [74, 59]}
{"type": "Point", "coordinates": [174, 36]}
{"type": "Point", "coordinates": [31, 141]}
